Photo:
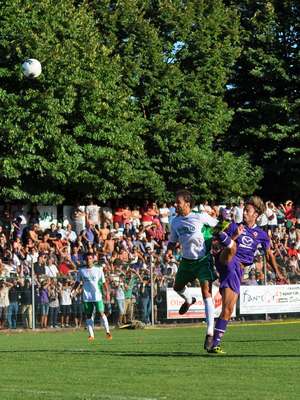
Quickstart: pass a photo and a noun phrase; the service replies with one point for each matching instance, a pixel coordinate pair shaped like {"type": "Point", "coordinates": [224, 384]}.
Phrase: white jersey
{"type": "Point", "coordinates": [187, 230]}
{"type": "Point", "coordinates": [92, 278]}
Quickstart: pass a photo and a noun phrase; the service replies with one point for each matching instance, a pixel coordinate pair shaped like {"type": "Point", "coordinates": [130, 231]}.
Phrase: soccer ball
{"type": "Point", "coordinates": [31, 68]}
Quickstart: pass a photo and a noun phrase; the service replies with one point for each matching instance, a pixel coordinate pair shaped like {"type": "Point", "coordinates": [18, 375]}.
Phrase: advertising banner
{"type": "Point", "coordinates": [197, 310]}
{"type": "Point", "coordinates": [269, 299]}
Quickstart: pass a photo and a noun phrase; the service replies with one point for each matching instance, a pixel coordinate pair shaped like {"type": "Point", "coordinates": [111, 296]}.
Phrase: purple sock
{"type": "Point", "coordinates": [220, 329]}
{"type": "Point", "coordinates": [224, 239]}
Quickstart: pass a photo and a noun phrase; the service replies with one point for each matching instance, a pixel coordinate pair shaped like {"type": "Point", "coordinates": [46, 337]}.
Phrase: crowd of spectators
{"type": "Point", "coordinates": [130, 244]}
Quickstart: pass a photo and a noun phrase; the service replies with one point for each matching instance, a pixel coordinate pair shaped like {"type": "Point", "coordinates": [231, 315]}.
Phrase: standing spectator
{"type": "Point", "coordinates": [44, 304]}
{"type": "Point", "coordinates": [78, 216]}
{"type": "Point", "coordinates": [136, 217]}
{"type": "Point", "coordinates": [145, 295]}
{"type": "Point", "coordinates": [26, 304]}
{"type": "Point", "coordinates": [262, 222]}
{"type": "Point", "coordinates": [65, 303]}
{"type": "Point", "coordinates": [271, 215]}
{"type": "Point", "coordinates": [54, 292]}
{"type": "Point", "coordinates": [13, 308]}
{"type": "Point", "coordinates": [77, 306]}
{"type": "Point", "coordinates": [4, 301]}
{"type": "Point", "coordinates": [238, 212]}
{"type": "Point", "coordinates": [164, 214]}
{"type": "Point", "coordinates": [93, 213]}
{"type": "Point", "coordinates": [107, 215]}
{"type": "Point", "coordinates": [120, 298]}
{"type": "Point", "coordinates": [118, 217]}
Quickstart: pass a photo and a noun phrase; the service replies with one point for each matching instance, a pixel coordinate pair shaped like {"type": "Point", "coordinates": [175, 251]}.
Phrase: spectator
{"type": "Point", "coordinates": [44, 303]}
{"type": "Point", "coordinates": [4, 301]}
{"type": "Point", "coordinates": [70, 235]}
{"type": "Point", "coordinates": [145, 294]}
{"type": "Point", "coordinates": [238, 212]}
{"type": "Point", "coordinates": [54, 292]}
{"type": "Point", "coordinates": [40, 265]}
{"type": "Point", "coordinates": [13, 308]}
{"type": "Point", "coordinates": [26, 304]}
{"type": "Point", "coordinates": [65, 303]}
{"type": "Point", "coordinates": [51, 269]}
{"type": "Point", "coordinates": [77, 307]}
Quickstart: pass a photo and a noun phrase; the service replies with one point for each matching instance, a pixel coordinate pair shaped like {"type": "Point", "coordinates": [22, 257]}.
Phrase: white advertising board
{"type": "Point", "coordinates": [197, 310]}
{"type": "Point", "coordinates": [269, 299]}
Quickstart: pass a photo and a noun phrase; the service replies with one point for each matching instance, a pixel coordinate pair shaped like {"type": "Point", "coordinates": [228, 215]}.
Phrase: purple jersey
{"type": "Point", "coordinates": [248, 241]}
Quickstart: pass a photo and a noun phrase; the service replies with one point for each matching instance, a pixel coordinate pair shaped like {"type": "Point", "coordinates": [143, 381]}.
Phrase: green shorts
{"type": "Point", "coordinates": [189, 270]}
{"type": "Point", "coordinates": [88, 307]}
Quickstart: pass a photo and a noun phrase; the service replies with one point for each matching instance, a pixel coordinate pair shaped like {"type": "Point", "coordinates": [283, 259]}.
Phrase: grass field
{"type": "Point", "coordinates": [263, 362]}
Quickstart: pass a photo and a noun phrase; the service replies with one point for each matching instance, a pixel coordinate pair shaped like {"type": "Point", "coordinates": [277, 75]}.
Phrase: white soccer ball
{"type": "Point", "coordinates": [31, 68]}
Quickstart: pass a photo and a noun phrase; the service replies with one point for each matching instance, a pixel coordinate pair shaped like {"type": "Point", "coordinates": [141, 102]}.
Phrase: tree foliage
{"type": "Point", "coordinates": [130, 103]}
{"type": "Point", "coordinates": [265, 93]}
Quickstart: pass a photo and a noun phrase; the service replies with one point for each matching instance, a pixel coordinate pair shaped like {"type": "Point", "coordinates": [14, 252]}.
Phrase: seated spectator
{"type": "Point", "coordinates": [40, 265]}
{"type": "Point", "coordinates": [70, 235]}
{"type": "Point", "coordinates": [51, 268]}
{"type": "Point", "coordinates": [44, 245]}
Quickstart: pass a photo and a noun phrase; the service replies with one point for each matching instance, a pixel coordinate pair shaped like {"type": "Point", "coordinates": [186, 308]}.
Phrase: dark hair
{"type": "Point", "coordinates": [257, 203]}
{"type": "Point", "coordinates": [186, 195]}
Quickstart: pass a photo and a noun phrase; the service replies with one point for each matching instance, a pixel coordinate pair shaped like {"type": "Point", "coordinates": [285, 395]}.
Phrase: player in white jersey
{"type": "Point", "coordinates": [92, 278]}
{"type": "Point", "coordinates": [188, 229]}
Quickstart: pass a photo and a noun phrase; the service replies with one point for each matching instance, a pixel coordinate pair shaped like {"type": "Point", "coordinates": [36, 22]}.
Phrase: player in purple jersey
{"type": "Point", "coordinates": [240, 242]}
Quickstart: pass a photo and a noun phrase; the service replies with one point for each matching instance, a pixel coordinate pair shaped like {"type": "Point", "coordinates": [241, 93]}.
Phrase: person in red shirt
{"type": "Point", "coordinates": [118, 216]}
{"type": "Point", "coordinates": [66, 266]}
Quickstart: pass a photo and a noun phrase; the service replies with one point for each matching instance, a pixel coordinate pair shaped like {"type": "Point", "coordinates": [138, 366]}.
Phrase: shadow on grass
{"type": "Point", "coordinates": [99, 353]}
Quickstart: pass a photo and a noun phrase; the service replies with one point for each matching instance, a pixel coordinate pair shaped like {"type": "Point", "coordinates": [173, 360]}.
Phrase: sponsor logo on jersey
{"type": "Point", "coordinates": [184, 230]}
{"type": "Point", "coordinates": [247, 242]}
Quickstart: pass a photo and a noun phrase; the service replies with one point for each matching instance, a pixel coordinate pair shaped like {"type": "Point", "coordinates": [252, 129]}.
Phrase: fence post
{"type": "Point", "coordinates": [33, 294]}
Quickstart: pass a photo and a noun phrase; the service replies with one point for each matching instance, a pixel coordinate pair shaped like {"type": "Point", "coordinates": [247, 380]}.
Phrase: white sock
{"type": "Point", "coordinates": [105, 323]}
{"type": "Point", "coordinates": [210, 315]}
{"type": "Point", "coordinates": [89, 325]}
{"type": "Point", "coordinates": [184, 293]}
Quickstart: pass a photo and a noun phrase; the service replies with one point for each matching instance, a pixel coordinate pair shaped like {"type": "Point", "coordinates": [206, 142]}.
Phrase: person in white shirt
{"type": "Point", "coordinates": [189, 229]}
{"type": "Point", "coordinates": [51, 268]}
{"type": "Point", "coordinates": [164, 214]}
{"type": "Point", "coordinates": [92, 278]}
{"type": "Point", "coordinates": [70, 234]}
{"type": "Point", "coordinates": [238, 212]}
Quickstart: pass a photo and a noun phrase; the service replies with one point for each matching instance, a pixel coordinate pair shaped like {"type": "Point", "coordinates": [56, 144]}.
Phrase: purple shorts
{"type": "Point", "coordinates": [230, 275]}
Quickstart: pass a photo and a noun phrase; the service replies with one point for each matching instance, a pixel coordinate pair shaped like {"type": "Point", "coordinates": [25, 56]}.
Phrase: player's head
{"type": "Point", "coordinates": [254, 207]}
{"type": "Point", "coordinates": [90, 259]}
{"type": "Point", "coordinates": [184, 202]}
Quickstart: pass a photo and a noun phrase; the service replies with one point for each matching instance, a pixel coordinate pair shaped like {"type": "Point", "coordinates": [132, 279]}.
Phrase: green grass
{"type": "Point", "coordinates": [262, 362]}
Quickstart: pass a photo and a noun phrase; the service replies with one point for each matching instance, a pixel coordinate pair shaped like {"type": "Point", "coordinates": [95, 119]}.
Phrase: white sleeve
{"type": "Point", "coordinates": [206, 219]}
{"type": "Point", "coordinates": [173, 238]}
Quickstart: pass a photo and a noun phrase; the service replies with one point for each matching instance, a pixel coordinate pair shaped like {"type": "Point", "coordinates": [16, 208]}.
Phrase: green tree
{"type": "Point", "coordinates": [265, 93]}
{"type": "Point", "coordinates": [177, 57]}
{"type": "Point", "coordinates": [74, 130]}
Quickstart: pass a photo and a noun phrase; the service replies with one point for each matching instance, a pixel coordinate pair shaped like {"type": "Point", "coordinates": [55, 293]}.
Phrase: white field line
{"type": "Point", "coordinates": [97, 396]}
